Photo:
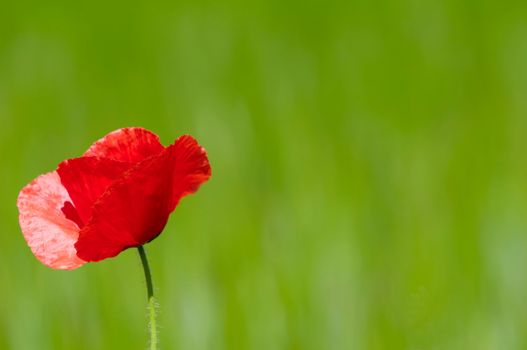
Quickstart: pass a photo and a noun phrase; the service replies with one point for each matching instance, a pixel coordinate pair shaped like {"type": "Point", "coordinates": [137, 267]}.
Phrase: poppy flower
{"type": "Point", "coordinates": [118, 195]}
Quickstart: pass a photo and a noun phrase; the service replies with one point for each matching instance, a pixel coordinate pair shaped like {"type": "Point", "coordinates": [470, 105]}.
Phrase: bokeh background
{"type": "Point", "coordinates": [369, 185]}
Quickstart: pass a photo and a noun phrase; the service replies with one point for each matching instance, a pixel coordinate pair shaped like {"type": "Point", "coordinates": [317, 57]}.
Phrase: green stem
{"type": "Point", "coordinates": [151, 300]}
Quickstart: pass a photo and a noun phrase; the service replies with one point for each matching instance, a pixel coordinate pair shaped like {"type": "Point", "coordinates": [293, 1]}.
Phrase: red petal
{"type": "Point", "coordinates": [191, 168]}
{"type": "Point", "coordinates": [126, 145]}
{"type": "Point", "coordinates": [135, 209]}
{"type": "Point", "coordinates": [49, 234]}
{"type": "Point", "coordinates": [86, 179]}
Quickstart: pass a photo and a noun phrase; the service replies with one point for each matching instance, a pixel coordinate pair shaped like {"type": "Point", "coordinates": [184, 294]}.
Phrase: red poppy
{"type": "Point", "coordinates": [118, 195]}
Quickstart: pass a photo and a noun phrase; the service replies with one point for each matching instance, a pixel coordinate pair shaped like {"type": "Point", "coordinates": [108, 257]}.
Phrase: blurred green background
{"type": "Point", "coordinates": [369, 171]}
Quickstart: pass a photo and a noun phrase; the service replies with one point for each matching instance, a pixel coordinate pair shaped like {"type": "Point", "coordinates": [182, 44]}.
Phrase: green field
{"type": "Point", "coordinates": [369, 186]}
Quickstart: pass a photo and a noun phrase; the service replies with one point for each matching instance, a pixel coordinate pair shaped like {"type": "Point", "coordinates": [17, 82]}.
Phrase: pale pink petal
{"type": "Point", "coordinates": [49, 234]}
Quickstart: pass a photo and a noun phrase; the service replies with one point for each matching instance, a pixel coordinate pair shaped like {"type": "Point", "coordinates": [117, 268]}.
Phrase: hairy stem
{"type": "Point", "coordinates": [151, 300]}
